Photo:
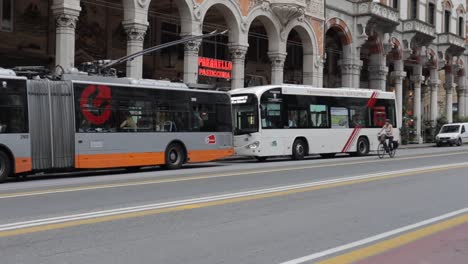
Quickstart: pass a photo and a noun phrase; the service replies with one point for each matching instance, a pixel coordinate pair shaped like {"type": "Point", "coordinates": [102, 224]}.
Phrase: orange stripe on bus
{"type": "Point", "coordinates": [209, 155]}
{"type": "Point", "coordinates": [99, 161]}
{"type": "Point", "coordinates": [23, 165]}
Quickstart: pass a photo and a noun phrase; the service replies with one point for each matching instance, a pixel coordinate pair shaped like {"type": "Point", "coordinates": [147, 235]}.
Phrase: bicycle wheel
{"type": "Point", "coordinates": [381, 151]}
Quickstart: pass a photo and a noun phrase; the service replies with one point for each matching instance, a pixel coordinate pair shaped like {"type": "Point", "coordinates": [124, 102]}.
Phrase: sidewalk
{"type": "Point", "coordinates": [414, 146]}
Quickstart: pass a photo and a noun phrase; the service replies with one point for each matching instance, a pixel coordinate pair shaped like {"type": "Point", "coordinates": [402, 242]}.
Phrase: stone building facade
{"type": "Point", "coordinates": [416, 48]}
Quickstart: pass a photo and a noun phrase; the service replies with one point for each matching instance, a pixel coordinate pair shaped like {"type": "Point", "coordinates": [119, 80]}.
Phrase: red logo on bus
{"type": "Point", "coordinates": [102, 97]}
{"type": "Point", "coordinates": [211, 139]}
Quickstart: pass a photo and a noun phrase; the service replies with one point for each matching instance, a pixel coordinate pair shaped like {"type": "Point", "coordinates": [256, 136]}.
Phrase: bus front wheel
{"type": "Point", "coordinates": [175, 156]}
{"type": "Point", "coordinates": [299, 149]}
{"type": "Point", "coordinates": [5, 166]}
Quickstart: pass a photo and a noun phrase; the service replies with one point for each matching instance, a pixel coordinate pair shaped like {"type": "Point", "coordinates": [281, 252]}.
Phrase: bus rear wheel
{"type": "Point", "coordinates": [362, 147]}
{"type": "Point", "coordinates": [299, 149]}
{"type": "Point", "coordinates": [175, 156]}
{"type": "Point", "coordinates": [5, 166]}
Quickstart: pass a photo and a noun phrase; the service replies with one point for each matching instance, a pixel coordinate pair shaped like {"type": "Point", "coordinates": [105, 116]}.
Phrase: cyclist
{"type": "Point", "coordinates": [387, 133]}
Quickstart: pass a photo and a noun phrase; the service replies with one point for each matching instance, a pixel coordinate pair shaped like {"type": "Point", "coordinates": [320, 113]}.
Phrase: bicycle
{"type": "Point", "coordinates": [385, 148]}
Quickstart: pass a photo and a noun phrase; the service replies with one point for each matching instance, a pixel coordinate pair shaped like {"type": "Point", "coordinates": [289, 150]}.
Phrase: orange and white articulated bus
{"type": "Point", "coordinates": [95, 122]}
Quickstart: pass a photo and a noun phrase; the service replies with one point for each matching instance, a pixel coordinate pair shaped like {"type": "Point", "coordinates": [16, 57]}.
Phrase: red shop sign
{"type": "Point", "coordinates": [214, 68]}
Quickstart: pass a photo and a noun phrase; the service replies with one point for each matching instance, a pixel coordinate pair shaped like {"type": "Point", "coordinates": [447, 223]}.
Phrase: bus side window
{"type": "Point", "coordinates": [319, 116]}
{"type": "Point", "coordinates": [339, 117]}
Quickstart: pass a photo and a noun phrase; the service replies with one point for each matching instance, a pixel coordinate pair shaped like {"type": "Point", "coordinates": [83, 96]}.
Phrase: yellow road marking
{"type": "Point", "coordinates": [213, 203]}
{"type": "Point", "coordinates": [372, 250]}
{"type": "Point", "coordinates": [204, 177]}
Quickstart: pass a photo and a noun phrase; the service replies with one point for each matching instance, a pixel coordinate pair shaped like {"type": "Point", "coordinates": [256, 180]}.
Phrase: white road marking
{"type": "Point", "coordinates": [125, 210]}
{"type": "Point", "coordinates": [375, 238]}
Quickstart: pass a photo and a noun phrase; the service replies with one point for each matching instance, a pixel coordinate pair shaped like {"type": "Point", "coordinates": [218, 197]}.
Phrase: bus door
{"type": "Point", "coordinates": [51, 124]}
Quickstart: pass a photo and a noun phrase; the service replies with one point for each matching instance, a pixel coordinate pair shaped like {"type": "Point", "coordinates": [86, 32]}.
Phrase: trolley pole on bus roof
{"type": "Point", "coordinates": [158, 47]}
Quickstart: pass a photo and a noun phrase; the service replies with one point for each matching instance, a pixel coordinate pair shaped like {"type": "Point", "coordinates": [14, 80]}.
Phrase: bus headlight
{"type": "Point", "coordinates": [254, 145]}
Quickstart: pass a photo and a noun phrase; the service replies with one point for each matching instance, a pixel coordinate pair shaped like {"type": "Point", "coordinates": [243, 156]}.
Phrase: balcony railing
{"type": "Point", "coordinates": [418, 26]}
{"type": "Point", "coordinates": [452, 40]}
{"type": "Point", "coordinates": [379, 11]}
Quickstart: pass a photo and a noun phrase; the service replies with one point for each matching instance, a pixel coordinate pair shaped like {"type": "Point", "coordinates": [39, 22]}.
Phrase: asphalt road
{"type": "Point", "coordinates": [232, 211]}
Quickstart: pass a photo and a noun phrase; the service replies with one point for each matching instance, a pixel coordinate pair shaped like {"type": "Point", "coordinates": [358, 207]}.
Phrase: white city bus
{"type": "Point", "coordinates": [297, 120]}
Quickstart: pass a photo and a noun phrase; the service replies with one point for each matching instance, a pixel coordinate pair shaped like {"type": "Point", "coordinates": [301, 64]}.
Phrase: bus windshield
{"type": "Point", "coordinates": [245, 111]}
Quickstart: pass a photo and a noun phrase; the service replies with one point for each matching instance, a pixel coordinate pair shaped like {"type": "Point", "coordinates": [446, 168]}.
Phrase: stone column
{"type": "Point", "coordinates": [277, 66]}
{"type": "Point", "coordinates": [434, 86]}
{"type": "Point", "coordinates": [191, 51]}
{"type": "Point", "coordinates": [318, 71]}
{"type": "Point", "coordinates": [238, 53]}
{"type": "Point", "coordinates": [66, 18]}
{"type": "Point", "coordinates": [417, 80]}
{"type": "Point", "coordinates": [350, 72]}
{"type": "Point", "coordinates": [135, 36]}
{"type": "Point", "coordinates": [449, 104]}
{"type": "Point", "coordinates": [377, 72]}
{"type": "Point", "coordinates": [398, 76]}
{"type": "Point", "coordinates": [461, 102]}
{"type": "Point", "coordinates": [449, 86]}
{"type": "Point", "coordinates": [461, 95]}
{"type": "Point", "coordinates": [308, 69]}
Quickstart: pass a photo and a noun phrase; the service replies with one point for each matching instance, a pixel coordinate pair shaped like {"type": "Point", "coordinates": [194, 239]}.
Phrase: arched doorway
{"type": "Point", "coordinates": [100, 34]}
{"type": "Point", "coordinates": [293, 66]}
{"type": "Point", "coordinates": [218, 17]}
{"type": "Point", "coordinates": [165, 25]}
{"type": "Point", "coordinates": [258, 65]}
{"type": "Point", "coordinates": [333, 53]}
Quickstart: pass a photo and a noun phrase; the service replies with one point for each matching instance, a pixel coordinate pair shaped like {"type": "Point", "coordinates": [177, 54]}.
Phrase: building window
{"type": "Point", "coordinates": [460, 26]}
{"type": "Point", "coordinates": [395, 4]}
{"type": "Point", "coordinates": [6, 15]}
{"type": "Point", "coordinates": [447, 15]}
{"type": "Point", "coordinates": [431, 15]}
{"type": "Point", "coordinates": [414, 9]}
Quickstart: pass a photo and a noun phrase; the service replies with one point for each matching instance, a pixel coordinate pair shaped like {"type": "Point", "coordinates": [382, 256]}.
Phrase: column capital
{"type": "Point", "coordinates": [450, 87]}
{"type": "Point", "coordinates": [135, 31]}
{"type": "Point", "coordinates": [398, 75]}
{"type": "Point", "coordinates": [192, 47]}
{"type": "Point", "coordinates": [434, 84]}
{"type": "Point", "coordinates": [378, 72]}
{"type": "Point", "coordinates": [277, 59]}
{"type": "Point", "coordinates": [417, 79]}
{"type": "Point", "coordinates": [350, 66]}
{"type": "Point", "coordinates": [66, 21]}
{"type": "Point", "coordinates": [238, 51]}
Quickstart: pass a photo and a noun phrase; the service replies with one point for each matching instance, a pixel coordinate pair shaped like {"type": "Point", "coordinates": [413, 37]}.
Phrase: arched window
{"type": "Point", "coordinates": [413, 9]}
{"type": "Point", "coordinates": [447, 15]}
{"type": "Point", "coordinates": [431, 12]}
{"type": "Point", "coordinates": [461, 21]}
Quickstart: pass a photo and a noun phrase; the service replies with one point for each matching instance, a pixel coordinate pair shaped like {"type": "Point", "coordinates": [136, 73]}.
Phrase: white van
{"type": "Point", "coordinates": [452, 134]}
